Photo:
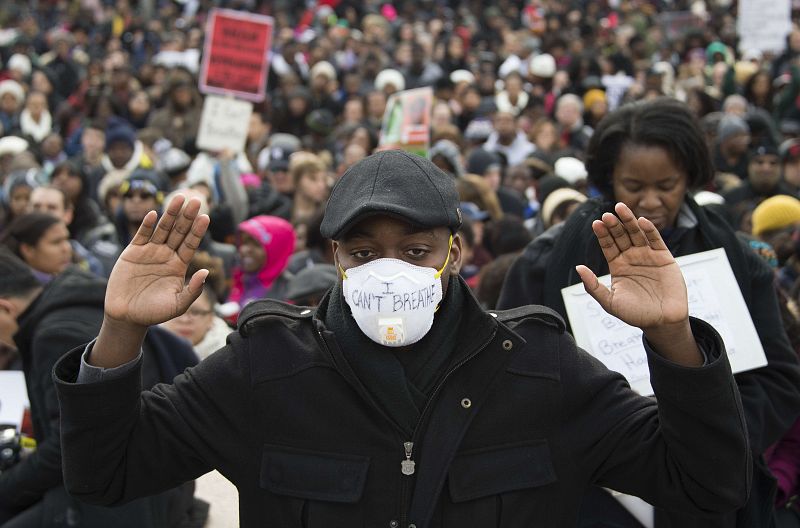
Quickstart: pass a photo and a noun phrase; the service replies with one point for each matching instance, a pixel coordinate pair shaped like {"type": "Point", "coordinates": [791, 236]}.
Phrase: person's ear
{"type": "Point", "coordinates": [335, 253]}
{"type": "Point", "coordinates": [69, 215]}
{"type": "Point", "coordinates": [26, 252]}
{"type": "Point", "coordinates": [6, 306]}
{"type": "Point", "coordinates": [456, 255]}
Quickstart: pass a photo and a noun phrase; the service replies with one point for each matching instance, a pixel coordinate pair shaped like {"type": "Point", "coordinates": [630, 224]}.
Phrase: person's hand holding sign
{"type": "Point", "coordinates": [147, 285]}
{"type": "Point", "coordinates": [647, 287]}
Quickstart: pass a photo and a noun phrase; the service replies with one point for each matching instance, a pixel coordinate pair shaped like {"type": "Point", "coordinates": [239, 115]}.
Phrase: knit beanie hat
{"type": "Point", "coordinates": [556, 198]}
{"type": "Point", "coordinates": [543, 66]}
{"type": "Point", "coordinates": [548, 185]}
{"type": "Point", "coordinates": [778, 212]}
{"type": "Point", "coordinates": [10, 86]}
{"type": "Point", "coordinates": [390, 76]}
{"type": "Point", "coordinates": [571, 169]}
{"type": "Point", "coordinates": [450, 152]}
{"type": "Point", "coordinates": [119, 131]}
{"type": "Point", "coordinates": [593, 96]}
{"type": "Point", "coordinates": [730, 125]}
{"type": "Point", "coordinates": [481, 160]}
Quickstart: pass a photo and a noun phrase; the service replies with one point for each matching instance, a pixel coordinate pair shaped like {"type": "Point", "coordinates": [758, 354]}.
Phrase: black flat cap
{"type": "Point", "coordinates": [394, 183]}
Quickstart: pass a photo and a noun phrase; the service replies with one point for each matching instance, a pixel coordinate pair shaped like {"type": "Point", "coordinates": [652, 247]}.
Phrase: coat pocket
{"type": "Point", "coordinates": [313, 475]}
{"type": "Point", "coordinates": [504, 485]}
{"type": "Point", "coordinates": [329, 485]}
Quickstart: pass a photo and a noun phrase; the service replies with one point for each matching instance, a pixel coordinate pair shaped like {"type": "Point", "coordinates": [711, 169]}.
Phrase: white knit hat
{"type": "Point", "coordinates": [390, 76]}
{"type": "Point", "coordinates": [12, 145]}
{"type": "Point", "coordinates": [459, 76]}
{"type": "Point", "coordinates": [543, 65]}
{"type": "Point", "coordinates": [10, 86]}
{"type": "Point", "coordinates": [20, 63]}
{"type": "Point", "coordinates": [556, 198]}
{"type": "Point", "coordinates": [323, 68]}
{"type": "Point", "coordinates": [571, 169]}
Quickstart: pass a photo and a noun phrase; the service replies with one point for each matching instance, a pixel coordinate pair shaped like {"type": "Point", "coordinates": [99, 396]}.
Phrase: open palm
{"type": "Point", "coordinates": [147, 285]}
{"type": "Point", "coordinates": [647, 287]}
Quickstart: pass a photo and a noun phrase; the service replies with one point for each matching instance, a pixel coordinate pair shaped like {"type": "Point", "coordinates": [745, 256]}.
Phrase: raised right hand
{"type": "Point", "coordinates": [147, 285]}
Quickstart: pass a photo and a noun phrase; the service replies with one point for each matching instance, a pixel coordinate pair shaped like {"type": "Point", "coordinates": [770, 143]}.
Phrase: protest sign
{"type": "Point", "coordinates": [236, 54]}
{"type": "Point", "coordinates": [676, 24]}
{"type": "Point", "coordinates": [224, 124]}
{"type": "Point", "coordinates": [763, 25]}
{"type": "Point", "coordinates": [407, 121]}
{"type": "Point", "coordinates": [714, 297]}
{"type": "Point", "coordinates": [13, 397]}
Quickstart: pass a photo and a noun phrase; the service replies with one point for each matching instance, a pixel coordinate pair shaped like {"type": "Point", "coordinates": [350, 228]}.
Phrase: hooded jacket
{"type": "Point", "coordinates": [67, 313]}
{"type": "Point", "coordinates": [277, 237]}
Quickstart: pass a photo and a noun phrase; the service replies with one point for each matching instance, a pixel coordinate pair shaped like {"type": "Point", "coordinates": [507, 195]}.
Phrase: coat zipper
{"type": "Point", "coordinates": [408, 466]}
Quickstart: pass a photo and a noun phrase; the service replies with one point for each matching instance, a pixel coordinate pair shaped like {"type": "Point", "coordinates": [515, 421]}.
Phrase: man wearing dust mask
{"type": "Point", "coordinates": [398, 401]}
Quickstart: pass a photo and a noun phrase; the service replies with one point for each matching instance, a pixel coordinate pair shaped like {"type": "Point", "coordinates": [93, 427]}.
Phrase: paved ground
{"type": "Point", "coordinates": [223, 497]}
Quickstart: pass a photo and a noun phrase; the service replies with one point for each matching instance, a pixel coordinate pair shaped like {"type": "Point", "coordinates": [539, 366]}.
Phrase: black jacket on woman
{"type": "Point", "coordinates": [770, 395]}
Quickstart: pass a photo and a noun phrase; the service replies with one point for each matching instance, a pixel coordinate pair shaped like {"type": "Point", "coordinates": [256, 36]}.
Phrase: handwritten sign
{"type": "Point", "coordinates": [236, 54]}
{"type": "Point", "coordinates": [407, 121]}
{"type": "Point", "coordinates": [676, 24]}
{"type": "Point", "coordinates": [224, 124]}
{"type": "Point", "coordinates": [714, 297]}
{"type": "Point", "coordinates": [763, 25]}
{"type": "Point", "coordinates": [13, 397]}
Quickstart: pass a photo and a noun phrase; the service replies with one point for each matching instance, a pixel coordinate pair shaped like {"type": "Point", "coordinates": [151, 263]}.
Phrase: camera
{"type": "Point", "coordinates": [10, 446]}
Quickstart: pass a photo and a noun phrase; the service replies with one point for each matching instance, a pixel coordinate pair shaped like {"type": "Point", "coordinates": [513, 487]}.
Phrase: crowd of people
{"type": "Point", "coordinates": [545, 114]}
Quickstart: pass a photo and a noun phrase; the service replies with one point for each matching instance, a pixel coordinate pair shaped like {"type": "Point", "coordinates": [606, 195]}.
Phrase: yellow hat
{"type": "Point", "coordinates": [778, 212]}
{"type": "Point", "coordinates": [743, 70]}
{"type": "Point", "coordinates": [593, 96]}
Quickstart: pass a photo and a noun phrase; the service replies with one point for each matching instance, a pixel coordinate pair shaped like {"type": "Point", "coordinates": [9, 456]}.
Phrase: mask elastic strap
{"type": "Point", "coordinates": [449, 247]}
{"type": "Point", "coordinates": [341, 269]}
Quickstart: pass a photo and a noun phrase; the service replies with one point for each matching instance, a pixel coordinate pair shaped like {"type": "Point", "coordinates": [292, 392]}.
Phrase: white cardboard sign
{"type": "Point", "coordinates": [763, 25]}
{"type": "Point", "coordinates": [13, 397]}
{"type": "Point", "coordinates": [714, 297]}
{"type": "Point", "coordinates": [224, 124]}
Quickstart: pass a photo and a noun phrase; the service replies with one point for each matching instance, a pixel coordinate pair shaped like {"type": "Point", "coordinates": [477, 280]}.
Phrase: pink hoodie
{"type": "Point", "coordinates": [277, 237]}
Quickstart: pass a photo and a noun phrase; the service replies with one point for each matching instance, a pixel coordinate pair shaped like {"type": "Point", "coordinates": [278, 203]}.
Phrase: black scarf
{"type": "Point", "coordinates": [400, 380]}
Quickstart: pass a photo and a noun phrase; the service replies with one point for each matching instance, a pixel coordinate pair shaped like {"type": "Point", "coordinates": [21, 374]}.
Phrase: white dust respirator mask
{"type": "Point", "coordinates": [392, 301]}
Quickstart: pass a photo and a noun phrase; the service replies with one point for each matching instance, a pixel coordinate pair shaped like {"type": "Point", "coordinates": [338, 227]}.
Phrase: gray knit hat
{"type": "Point", "coordinates": [730, 125]}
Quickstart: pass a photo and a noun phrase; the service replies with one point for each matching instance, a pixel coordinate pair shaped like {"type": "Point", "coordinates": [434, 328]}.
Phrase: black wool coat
{"type": "Point", "coordinates": [521, 422]}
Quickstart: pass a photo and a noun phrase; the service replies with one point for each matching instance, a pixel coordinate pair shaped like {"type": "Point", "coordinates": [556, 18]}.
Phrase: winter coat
{"type": "Point", "coordinates": [770, 395]}
{"type": "Point", "coordinates": [518, 425]}
{"type": "Point", "coordinates": [67, 313]}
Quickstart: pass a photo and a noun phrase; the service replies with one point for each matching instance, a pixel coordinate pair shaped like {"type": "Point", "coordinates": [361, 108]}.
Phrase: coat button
{"type": "Point", "coordinates": [393, 524]}
{"type": "Point", "coordinates": [466, 403]}
{"type": "Point", "coordinates": [412, 526]}
{"type": "Point", "coordinates": [507, 344]}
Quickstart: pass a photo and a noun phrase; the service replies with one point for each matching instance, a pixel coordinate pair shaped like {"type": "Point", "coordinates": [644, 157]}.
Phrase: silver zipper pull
{"type": "Point", "coordinates": [407, 465]}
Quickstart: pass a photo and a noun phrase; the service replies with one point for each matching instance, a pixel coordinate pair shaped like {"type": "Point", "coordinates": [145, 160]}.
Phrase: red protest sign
{"type": "Point", "coordinates": [236, 54]}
